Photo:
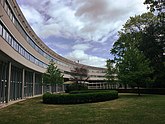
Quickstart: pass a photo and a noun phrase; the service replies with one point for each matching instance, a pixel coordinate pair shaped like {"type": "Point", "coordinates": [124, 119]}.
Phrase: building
{"type": "Point", "coordinates": [24, 58]}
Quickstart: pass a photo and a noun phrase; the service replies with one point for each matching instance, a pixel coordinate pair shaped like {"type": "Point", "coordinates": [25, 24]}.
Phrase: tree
{"type": "Point", "coordinates": [79, 74]}
{"type": "Point", "coordinates": [131, 33]}
{"type": "Point", "coordinates": [155, 5]}
{"type": "Point", "coordinates": [147, 34]}
{"type": "Point", "coordinates": [154, 49]}
{"type": "Point", "coordinates": [53, 75]}
{"type": "Point", "coordinates": [134, 68]}
{"type": "Point", "coordinates": [111, 73]}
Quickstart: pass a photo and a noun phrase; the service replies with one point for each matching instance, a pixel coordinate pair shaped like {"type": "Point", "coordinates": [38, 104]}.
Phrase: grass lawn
{"type": "Point", "coordinates": [127, 109]}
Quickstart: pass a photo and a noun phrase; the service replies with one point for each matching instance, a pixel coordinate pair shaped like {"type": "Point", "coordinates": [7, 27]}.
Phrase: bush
{"type": "Point", "coordinates": [87, 91]}
{"type": "Point", "coordinates": [73, 87]}
{"type": "Point", "coordinates": [79, 98]}
{"type": "Point", "coordinates": [160, 91]}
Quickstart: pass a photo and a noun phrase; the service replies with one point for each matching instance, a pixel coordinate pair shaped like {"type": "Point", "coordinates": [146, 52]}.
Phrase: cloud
{"type": "Point", "coordinates": [36, 21]}
{"type": "Point", "coordinates": [81, 47]}
{"type": "Point", "coordinates": [78, 54]}
{"type": "Point", "coordinates": [101, 17]}
{"type": "Point", "coordinates": [86, 19]}
{"type": "Point", "coordinates": [82, 57]}
{"type": "Point", "coordinates": [85, 29]}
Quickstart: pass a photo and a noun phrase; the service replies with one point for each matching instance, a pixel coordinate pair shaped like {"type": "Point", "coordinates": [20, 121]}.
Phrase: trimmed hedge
{"type": "Point", "coordinates": [73, 87]}
{"type": "Point", "coordinates": [87, 91]}
{"type": "Point", "coordinates": [79, 98]}
{"type": "Point", "coordinates": [160, 91]}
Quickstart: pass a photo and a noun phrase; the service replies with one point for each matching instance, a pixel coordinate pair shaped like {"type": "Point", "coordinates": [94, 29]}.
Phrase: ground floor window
{"type": "Point", "coordinates": [16, 83]}
{"type": "Point", "coordinates": [3, 81]}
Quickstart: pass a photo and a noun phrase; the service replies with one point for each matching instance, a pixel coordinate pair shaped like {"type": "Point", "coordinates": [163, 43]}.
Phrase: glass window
{"type": "Point", "coordinates": [6, 6]}
{"type": "Point", "coordinates": [7, 35]}
{"type": "Point", "coordinates": [33, 45]}
{"type": "Point", "coordinates": [31, 58]}
{"type": "Point", "coordinates": [36, 61]}
{"type": "Point", "coordinates": [36, 48]}
{"type": "Point", "coordinates": [23, 52]}
{"type": "Point", "coordinates": [4, 33]}
{"type": "Point", "coordinates": [9, 39]}
{"type": "Point", "coordinates": [19, 49]}
{"type": "Point", "coordinates": [13, 42]}
{"type": "Point", "coordinates": [27, 55]}
{"type": "Point", "coordinates": [13, 20]}
{"type": "Point", "coordinates": [0, 29]}
{"type": "Point", "coordinates": [16, 46]}
{"type": "Point", "coordinates": [11, 16]}
{"type": "Point", "coordinates": [8, 11]}
{"type": "Point", "coordinates": [40, 64]}
{"type": "Point", "coordinates": [44, 54]}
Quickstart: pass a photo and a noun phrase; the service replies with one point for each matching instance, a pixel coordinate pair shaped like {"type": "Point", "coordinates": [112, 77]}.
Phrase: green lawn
{"type": "Point", "coordinates": [127, 109]}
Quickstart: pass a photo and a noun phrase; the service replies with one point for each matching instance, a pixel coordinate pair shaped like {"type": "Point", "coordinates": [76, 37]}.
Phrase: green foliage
{"type": "Point", "coordinates": [87, 91]}
{"type": "Point", "coordinates": [111, 72]}
{"type": "Point", "coordinates": [160, 91]}
{"type": "Point", "coordinates": [52, 75]}
{"type": "Point", "coordinates": [79, 98]}
{"type": "Point", "coordinates": [134, 68]}
{"type": "Point", "coordinates": [76, 86]}
{"type": "Point", "coordinates": [132, 34]}
{"type": "Point", "coordinates": [155, 5]}
{"type": "Point", "coordinates": [154, 48]}
{"type": "Point", "coordinates": [145, 33]}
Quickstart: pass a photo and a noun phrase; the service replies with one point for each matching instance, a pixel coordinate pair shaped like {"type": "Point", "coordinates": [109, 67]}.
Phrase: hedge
{"type": "Point", "coordinates": [73, 87]}
{"type": "Point", "coordinates": [160, 91]}
{"type": "Point", "coordinates": [79, 98]}
{"type": "Point", "coordinates": [87, 91]}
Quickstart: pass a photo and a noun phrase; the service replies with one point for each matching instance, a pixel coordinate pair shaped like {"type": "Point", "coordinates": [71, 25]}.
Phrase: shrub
{"type": "Point", "coordinates": [160, 91]}
{"type": "Point", "coordinates": [79, 98]}
{"type": "Point", "coordinates": [87, 91]}
{"type": "Point", "coordinates": [73, 87]}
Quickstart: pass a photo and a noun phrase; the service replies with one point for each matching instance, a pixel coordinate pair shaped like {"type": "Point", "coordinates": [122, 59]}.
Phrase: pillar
{"type": "Point", "coordinates": [42, 87]}
{"type": "Point", "coordinates": [63, 88]}
{"type": "Point", "coordinates": [56, 87]}
{"type": "Point", "coordinates": [23, 82]}
{"type": "Point", "coordinates": [33, 84]}
{"type": "Point", "coordinates": [8, 83]}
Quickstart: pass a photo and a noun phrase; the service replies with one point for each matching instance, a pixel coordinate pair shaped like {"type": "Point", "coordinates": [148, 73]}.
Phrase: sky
{"type": "Point", "coordinates": [80, 30]}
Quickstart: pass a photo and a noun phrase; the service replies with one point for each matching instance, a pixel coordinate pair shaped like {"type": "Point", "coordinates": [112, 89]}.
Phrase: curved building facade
{"type": "Point", "coordinates": [24, 58]}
